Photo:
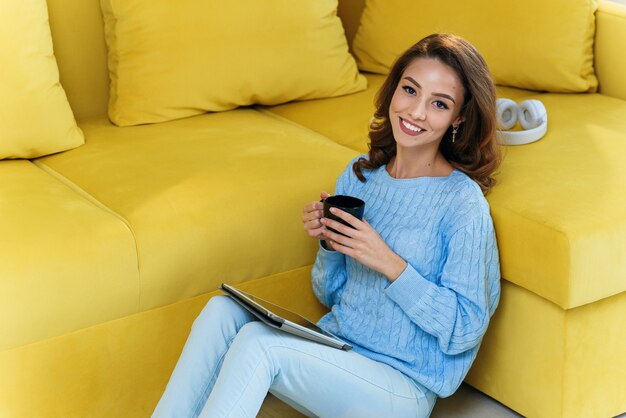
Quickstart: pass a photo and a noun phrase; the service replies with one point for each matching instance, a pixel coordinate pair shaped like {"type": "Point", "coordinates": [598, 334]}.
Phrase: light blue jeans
{"type": "Point", "coordinates": [230, 362]}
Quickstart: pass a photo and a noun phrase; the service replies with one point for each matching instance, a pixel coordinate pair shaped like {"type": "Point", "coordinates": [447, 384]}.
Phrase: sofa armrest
{"type": "Point", "coordinates": [610, 43]}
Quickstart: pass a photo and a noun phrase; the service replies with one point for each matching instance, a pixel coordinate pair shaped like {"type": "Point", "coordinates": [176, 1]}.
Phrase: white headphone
{"type": "Point", "coordinates": [531, 114]}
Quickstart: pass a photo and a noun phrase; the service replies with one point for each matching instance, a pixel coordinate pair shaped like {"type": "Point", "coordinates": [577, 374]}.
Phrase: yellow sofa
{"type": "Point", "coordinates": [111, 249]}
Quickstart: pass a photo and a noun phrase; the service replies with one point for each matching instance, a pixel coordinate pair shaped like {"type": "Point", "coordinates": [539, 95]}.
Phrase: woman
{"type": "Point", "coordinates": [411, 287]}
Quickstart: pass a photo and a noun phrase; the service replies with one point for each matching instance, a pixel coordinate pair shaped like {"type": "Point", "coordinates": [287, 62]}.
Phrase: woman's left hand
{"type": "Point", "coordinates": [362, 243]}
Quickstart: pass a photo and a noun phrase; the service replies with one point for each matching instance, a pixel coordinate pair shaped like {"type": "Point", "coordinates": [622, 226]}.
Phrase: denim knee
{"type": "Point", "coordinates": [217, 306]}
{"type": "Point", "coordinates": [254, 331]}
{"type": "Point", "coordinates": [257, 334]}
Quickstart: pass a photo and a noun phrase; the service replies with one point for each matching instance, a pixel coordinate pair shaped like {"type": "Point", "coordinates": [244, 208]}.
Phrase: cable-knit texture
{"type": "Point", "coordinates": [430, 321]}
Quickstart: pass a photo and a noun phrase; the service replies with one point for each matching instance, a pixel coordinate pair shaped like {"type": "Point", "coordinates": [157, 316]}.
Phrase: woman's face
{"type": "Point", "coordinates": [427, 100]}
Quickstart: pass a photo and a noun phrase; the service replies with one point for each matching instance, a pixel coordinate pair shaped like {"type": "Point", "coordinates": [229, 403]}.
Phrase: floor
{"type": "Point", "coordinates": [467, 402]}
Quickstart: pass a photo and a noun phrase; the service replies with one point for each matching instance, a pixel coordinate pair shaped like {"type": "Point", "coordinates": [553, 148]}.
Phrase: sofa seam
{"type": "Point", "coordinates": [91, 199]}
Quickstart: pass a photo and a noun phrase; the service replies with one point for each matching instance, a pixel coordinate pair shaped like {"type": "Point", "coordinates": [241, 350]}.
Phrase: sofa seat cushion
{"type": "Point", "coordinates": [560, 207]}
{"type": "Point", "coordinates": [203, 193]}
{"type": "Point", "coordinates": [558, 212]}
{"type": "Point", "coordinates": [346, 119]}
{"type": "Point", "coordinates": [67, 263]}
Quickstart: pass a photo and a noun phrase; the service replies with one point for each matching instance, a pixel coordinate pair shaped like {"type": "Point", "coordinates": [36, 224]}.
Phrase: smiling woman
{"type": "Point", "coordinates": [445, 81]}
{"type": "Point", "coordinates": [411, 287]}
{"type": "Point", "coordinates": [414, 283]}
{"type": "Point", "coordinates": [421, 113]}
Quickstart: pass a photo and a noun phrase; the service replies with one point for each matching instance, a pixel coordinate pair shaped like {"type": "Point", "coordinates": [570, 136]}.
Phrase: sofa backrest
{"type": "Point", "coordinates": [350, 13]}
{"type": "Point", "coordinates": [610, 44]}
{"type": "Point", "coordinates": [78, 37]}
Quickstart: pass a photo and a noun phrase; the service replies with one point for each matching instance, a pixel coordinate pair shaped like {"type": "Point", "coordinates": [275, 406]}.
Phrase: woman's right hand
{"type": "Point", "coordinates": [311, 215]}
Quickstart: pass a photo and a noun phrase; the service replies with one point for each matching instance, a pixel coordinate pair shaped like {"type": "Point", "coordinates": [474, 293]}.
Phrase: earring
{"type": "Point", "coordinates": [454, 131]}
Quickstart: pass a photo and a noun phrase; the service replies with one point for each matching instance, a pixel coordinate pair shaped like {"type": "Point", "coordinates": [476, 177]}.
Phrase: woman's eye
{"type": "Point", "coordinates": [441, 105]}
{"type": "Point", "coordinates": [409, 89]}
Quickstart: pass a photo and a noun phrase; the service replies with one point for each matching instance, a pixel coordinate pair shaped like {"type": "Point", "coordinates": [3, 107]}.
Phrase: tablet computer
{"type": "Point", "coordinates": [283, 319]}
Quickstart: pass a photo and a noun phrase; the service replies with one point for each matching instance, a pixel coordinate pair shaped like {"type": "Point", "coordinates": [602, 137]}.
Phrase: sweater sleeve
{"type": "Point", "coordinates": [329, 271]}
{"type": "Point", "coordinates": [329, 276]}
{"type": "Point", "coordinates": [457, 310]}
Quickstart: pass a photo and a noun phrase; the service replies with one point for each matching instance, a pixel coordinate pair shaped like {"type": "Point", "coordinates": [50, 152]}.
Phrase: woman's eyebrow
{"type": "Point", "coordinates": [443, 95]}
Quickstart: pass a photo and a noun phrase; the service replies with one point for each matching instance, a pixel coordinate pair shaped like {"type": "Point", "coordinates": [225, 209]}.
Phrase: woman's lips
{"type": "Point", "coordinates": [410, 129]}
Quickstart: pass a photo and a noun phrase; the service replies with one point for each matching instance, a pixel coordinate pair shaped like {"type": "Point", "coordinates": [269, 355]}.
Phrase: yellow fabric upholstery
{"type": "Point", "coordinates": [120, 368]}
{"type": "Point", "coordinates": [534, 44]}
{"type": "Point", "coordinates": [343, 119]}
{"type": "Point", "coordinates": [349, 11]}
{"type": "Point", "coordinates": [172, 60]}
{"type": "Point", "coordinates": [559, 221]}
{"type": "Point", "coordinates": [547, 362]}
{"type": "Point", "coordinates": [200, 193]}
{"type": "Point", "coordinates": [78, 37]}
{"type": "Point", "coordinates": [81, 51]}
{"type": "Point", "coordinates": [67, 263]}
{"type": "Point", "coordinates": [35, 117]}
{"type": "Point", "coordinates": [346, 119]}
{"type": "Point", "coordinates": [610, 60]}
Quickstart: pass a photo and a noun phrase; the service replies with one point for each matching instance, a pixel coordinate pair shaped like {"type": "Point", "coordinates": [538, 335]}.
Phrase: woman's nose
{"type": "Point", "coordinates": [418, 109]}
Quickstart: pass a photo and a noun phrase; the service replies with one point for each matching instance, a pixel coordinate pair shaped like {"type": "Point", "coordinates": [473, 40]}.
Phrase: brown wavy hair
{"type": "Point", "coordinates": [474, 151]}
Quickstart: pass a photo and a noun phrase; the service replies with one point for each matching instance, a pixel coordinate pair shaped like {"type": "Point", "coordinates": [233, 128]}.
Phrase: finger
{"type": "Point", "coordinates": [324, 195]}
{"type": "Point", "coordinates": [313, 215]}
{"type": "Point", "coordinates": [310, 206]}
{"type": "Point", "coordinates": [346, 217]}
{"type": "Point", "coordinates": [338, 226]}
{"type": "Point", "coordinates": [338, 238]}
{"type": "Point", "coordinates": [340, 248]}
{"type": "Point", "coordinates": [313, 206]}
{"type": "Point", "coordinates": [316, 233]}
{"type": "Point", "coordinates": [313, 224]}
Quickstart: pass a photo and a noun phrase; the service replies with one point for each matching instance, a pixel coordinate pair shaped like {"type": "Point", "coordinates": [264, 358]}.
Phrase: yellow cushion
{"type": "Point", "coordinates": [66, 262]}
{"type": "Point", "coordinates": [35, 117]}
{"type": "Point", "coordinates": [346, 119]}
{"type": "Point", "coordinates": [201, 192]}
{"type": "Point", "coordinates": [534, 44]}
{"type": "Point", "coordinates": [170, 60]}
{"type": "Point", "coordinates": [558, 207]}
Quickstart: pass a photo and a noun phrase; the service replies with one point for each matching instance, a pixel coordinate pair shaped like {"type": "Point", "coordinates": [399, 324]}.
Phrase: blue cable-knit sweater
{"type": "Point", "coordinates": [430, 321]}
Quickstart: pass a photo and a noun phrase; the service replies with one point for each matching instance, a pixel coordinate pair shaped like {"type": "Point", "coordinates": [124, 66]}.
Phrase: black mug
{"type": "Point", "coordinates": [350, 204]}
